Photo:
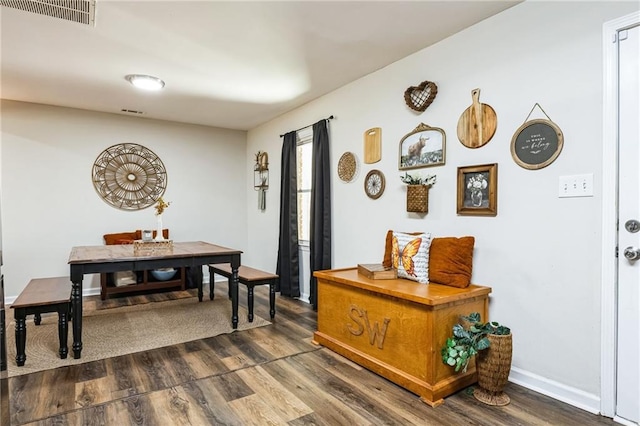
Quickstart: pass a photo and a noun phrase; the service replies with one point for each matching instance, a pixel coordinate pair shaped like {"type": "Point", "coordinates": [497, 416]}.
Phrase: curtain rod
{"type": "Point", "coordinates": [297, 130]}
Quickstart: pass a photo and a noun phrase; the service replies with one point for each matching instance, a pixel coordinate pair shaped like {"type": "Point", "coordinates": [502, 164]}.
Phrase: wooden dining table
{"type": "Point", "coordinates": [114, 258]}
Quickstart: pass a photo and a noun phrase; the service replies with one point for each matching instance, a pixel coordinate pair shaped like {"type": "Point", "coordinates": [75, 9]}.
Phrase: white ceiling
{"type": "Point", "coordinates": [226, 64]}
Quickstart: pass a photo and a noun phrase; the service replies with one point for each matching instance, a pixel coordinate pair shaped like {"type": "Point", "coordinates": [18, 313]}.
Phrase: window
{"type": "Point", "coordinates": [304, 157]}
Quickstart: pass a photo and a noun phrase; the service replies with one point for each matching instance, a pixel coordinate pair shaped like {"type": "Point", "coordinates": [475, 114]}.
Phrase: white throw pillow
{"type": "Point", "coordinates": [410, 256]}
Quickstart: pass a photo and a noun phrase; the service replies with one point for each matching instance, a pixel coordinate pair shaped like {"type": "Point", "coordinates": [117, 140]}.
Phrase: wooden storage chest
{"type": "Point", "coordinates": [396, 327]}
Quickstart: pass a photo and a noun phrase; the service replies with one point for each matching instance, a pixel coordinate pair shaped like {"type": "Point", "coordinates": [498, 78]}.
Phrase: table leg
{"type": "Point", "coordinates": [272, 300]}
{"type": "Point", "coordinates": [250, 301]}
{"type": "Point", "coordinates": [63, 331]}
{"type": "Point", "coordinates": [199, 284]}
{"type": "Point", "coordinates": [21, 336]}
{"type": "Point", "coordinates": [211, 282]}
{"type": "Point", "coordinates": [234, 292]}
{"type": "Point", "coordinates": [76, 309]}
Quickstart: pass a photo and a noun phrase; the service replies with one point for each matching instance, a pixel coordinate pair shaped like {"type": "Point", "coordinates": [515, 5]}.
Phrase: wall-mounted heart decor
{"type": "Point", "coordinates": [420, 97]}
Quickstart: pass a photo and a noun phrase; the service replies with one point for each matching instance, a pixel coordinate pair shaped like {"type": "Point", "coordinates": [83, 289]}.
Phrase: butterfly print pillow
{"type": "Point", "coordinates": [410, 256]}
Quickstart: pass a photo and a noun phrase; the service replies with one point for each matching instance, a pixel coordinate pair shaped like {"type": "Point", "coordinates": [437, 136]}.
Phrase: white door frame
{"type": "Point", "coordinates": [610, 211]}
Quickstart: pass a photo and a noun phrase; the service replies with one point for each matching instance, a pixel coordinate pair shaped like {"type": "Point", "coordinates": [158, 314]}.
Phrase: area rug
{"type": "Point", "coordinates": [120, 331]}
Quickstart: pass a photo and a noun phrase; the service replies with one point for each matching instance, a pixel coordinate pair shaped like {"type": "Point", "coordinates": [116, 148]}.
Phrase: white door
{"type": "Point", "coordinates": [628, 336]}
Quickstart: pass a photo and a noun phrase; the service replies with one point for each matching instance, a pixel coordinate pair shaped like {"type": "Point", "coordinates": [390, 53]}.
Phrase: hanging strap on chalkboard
{"type": "Point", "coordinates": [534, 107]}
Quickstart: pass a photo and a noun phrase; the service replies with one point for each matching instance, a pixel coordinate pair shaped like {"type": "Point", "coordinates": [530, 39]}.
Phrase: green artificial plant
{"type": "Point", "coordinates": [467, 342]}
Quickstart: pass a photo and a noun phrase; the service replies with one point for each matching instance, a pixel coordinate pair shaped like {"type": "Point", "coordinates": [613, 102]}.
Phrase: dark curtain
{"type": "Point", "coordinates": [288, 267]}
{"type": "Point", "coordinates": [320, 226]}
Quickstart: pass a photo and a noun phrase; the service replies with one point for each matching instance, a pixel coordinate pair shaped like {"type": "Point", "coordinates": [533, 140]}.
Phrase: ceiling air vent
{"type": "Point", "coordinates": [80, 11]}
{"type": "Point", "coordinates": [131, 111]}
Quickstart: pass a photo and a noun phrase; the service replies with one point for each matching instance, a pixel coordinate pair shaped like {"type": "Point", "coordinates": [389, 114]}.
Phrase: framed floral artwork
{"type": "Point", "coordinates": [478, 190]}
{"type": "Point", "coordinates": [424, 146]}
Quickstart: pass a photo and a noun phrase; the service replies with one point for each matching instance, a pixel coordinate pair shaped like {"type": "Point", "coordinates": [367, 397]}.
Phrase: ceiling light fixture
{"type": "Point", "coordinates": [146, 82]}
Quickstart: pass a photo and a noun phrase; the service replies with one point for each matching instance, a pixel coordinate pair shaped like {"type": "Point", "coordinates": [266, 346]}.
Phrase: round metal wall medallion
{"type": "Point", "coordinates": [374, 184]}
{"type": "Point", "coordinates": [129, 176]}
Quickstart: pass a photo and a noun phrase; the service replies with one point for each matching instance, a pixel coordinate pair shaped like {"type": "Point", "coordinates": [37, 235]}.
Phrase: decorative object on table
{"type": "Point", "coordinates": [372, 145]}
{"type": "Point", "coordinates": [376, 271]}
{"type": "Point", "coordinates": [261, 178]}
{"type": "Point", "coordinates": [419, 97]}
{"type": "Point", "coordinates": [424, 146]}
{"type": "Point", "coordinates": [129, 176]}
{"type": "Point", "coordinates": [477, 124]}
{"type": "Point", "coordinates": [537, 143]}
{"type": "Point", "coordinates": [147, 235]}
{"type": "Point", "coordinates": [160, 207]}
{"type": "Point", "coordinates": [418, 191]}
{"type": "Point", "coordinates": [163, 274]}
{"type": "Point", "coordinates": [478, 190]}
{"type": "Point", "coordinates": [152, 248]}
{"type": "Point", "coordinates": [374, 184]}
{"type": "Point", "coordinates": [347, 167]}
{"type": "Point", "coordinates": [491, 343]}
{"type": "Point", "coordinates": [410, 255]}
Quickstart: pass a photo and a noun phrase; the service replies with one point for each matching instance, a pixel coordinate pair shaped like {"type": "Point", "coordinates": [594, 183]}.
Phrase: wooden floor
{"type": "Point", "coordinates": [271, 375]}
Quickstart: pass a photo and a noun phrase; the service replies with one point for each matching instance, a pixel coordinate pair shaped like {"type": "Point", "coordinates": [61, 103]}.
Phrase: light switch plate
{"type": "Point", "coordinates": [575, 186]}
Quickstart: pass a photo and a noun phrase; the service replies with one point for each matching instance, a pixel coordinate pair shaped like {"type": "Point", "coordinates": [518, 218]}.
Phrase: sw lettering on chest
{"type": "Point", "coordinates": [375, 332]}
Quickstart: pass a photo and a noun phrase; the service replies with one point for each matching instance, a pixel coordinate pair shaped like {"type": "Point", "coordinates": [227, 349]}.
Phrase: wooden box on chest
{"type": "Point", "coordinates": [396, 327]}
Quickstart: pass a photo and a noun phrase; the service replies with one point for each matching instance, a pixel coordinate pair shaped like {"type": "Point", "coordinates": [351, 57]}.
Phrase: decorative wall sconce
{"type": "Point", "coordinates": [261, 178]}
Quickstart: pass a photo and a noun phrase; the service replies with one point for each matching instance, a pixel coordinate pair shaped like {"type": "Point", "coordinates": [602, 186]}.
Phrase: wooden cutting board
{"type": "Point", "coordinates": [372, 145]}
{"type": "Point", "coordinates": [477, 124]}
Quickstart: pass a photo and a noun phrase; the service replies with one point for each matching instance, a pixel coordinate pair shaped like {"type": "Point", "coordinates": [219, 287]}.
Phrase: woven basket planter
{"type": "Point", "coordinates": [493, 366]}
{"type": "Point", "coordinates": [418, 198]}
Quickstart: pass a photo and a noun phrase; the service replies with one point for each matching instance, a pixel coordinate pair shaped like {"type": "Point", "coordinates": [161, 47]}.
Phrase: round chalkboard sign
{"type": "Point", "coordinates": [536, 144]}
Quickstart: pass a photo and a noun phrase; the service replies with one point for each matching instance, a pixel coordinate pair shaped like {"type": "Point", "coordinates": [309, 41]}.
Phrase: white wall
{"type": "Point", "coordinates": [49, 203]}
{"type": "Point", "coordinates": [541, 254]}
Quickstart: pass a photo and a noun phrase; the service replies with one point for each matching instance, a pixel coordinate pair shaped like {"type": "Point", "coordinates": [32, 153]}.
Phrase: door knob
{"type": "Point", "coordinates": [632, 253]}
{"type": "Point", "coordinates": [632, 226]}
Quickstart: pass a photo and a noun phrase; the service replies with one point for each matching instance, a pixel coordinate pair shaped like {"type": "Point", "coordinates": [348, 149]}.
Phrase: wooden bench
{"type": "Point", "coordinates": [40, 296]}
{"type": "Point", "coordinates": [250, 277]}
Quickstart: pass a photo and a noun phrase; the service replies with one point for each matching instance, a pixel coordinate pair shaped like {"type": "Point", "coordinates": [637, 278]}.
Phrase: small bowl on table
{"type": "Point", "coordinates": [164, 274]}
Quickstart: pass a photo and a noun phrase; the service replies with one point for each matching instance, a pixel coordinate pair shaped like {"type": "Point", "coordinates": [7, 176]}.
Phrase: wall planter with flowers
{"type": "Point", "coordinates": [418, 192]}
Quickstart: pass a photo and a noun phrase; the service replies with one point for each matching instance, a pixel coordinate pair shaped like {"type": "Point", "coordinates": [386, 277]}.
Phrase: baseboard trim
{"type": "Point", "coordinates": [305, 297]}
{"type": "Point", "coordinates": [93, 291]}
{"type": "Point", "coordinates": [624, 422]}
{"type": "Point", "coordinates": [567, 394]}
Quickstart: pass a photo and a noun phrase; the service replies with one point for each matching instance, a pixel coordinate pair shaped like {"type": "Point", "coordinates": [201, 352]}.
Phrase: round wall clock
{"type": "Point", "coordinates": [374, 184]}
{"type": "Point", "coordinates": [129, 176]}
